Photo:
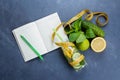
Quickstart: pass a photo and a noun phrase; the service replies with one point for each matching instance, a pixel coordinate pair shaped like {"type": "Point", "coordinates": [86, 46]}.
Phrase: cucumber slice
{"type": "Point", "coordinates": [75, 56]}
{"type": "Point", "coordinates": [78, 67]}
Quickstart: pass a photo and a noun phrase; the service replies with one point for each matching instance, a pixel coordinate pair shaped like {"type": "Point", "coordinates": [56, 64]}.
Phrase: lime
{"type": "Point", "coordinates": [83, 45]}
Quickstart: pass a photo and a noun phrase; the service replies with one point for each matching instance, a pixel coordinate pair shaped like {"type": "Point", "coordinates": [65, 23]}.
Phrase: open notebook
{"type": "Point", "coordinates": [38, 33]}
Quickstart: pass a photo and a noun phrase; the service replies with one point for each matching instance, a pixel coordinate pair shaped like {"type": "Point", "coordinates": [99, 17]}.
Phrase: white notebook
{"type": "Point", "coordinates": [39, 33]}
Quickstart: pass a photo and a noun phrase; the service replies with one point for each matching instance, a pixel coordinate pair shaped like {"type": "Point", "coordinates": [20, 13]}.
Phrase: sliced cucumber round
{"type": "Point", "coordinates": [75, 56]}
{"type": "Point", "coordinates": [78, 67]}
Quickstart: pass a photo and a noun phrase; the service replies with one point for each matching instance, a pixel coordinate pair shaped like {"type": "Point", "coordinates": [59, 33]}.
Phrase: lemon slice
{"type": "Point", "coordinates": [98, 44]}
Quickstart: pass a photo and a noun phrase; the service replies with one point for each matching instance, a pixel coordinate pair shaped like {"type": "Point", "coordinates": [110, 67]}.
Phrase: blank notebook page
{"type": "Point", "coordinates": [32, 34]}
{"type": "Point", "coordinates": [46, 26]}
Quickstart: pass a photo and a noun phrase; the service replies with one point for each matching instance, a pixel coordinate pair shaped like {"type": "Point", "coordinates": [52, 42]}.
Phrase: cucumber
{"type": "Point", "coordinates": [77, 67]}
{"type": "Point", "coordinates": [80, 65]}
{"type": "Point", "coordinates": [75, 56]}
{"type": "Point", "coordinates": [97, 30]}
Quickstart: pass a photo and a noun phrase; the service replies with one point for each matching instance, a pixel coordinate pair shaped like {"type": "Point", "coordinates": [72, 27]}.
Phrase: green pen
{"type": "Point", "coordinates": [31, 47]}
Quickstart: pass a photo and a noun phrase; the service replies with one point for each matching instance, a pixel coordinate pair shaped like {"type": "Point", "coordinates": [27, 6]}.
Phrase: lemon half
{"type": "Point", "coordinates": [98, 44]}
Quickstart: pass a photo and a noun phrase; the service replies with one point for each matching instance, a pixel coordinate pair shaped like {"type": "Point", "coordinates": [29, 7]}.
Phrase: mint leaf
{"type": "Point", "coordinates": [73, 36]}
{"type": "Point", "coordinates": [81, 37]}
{"type": "Point", "coordinates": [77, 25]}
{"type": "Point", "coordinates": [82, 62]}
{"type": "Point", "coordinates": [90, 33]}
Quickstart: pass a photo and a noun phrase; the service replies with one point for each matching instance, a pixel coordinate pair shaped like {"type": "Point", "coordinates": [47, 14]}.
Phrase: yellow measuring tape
{"type": "Point", "coordinates": [65, 45]}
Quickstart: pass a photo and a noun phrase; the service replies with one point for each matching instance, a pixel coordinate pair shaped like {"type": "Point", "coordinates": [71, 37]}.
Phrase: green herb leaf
{"type": "Point", "coordinates": [77, 25]}
{"type": "Point", "coordinates": [82, 62]}
{"type": "Point", "coordinates": [81, 37]}
{"type": "Point", "coordinates": [73, 36]}
{"type": "Point", "coordinates": [90, 33]}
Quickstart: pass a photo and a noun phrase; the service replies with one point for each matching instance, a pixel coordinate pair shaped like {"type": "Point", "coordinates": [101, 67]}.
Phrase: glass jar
{"type": "Point", "coordinates": [74, 57]}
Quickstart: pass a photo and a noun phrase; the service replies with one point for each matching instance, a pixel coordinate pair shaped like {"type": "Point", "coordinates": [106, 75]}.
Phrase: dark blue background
{"type": "Point", "coordinates": [15, 13]}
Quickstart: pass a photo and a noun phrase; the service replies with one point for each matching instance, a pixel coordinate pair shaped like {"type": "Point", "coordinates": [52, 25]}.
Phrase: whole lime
{"type": "Point", "coordinates": [83, 45]}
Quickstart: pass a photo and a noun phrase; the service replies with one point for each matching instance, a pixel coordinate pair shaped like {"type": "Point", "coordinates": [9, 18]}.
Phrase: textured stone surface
{"type": "Point", "coordinates": [15, 13]}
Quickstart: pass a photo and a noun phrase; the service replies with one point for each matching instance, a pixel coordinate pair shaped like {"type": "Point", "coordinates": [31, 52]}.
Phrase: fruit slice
{"type": "Point", "coordinates": [98, 44]}
{"type": "Point", "coordinates": [75, 62]}
{"type": "Point", "coordinates": [75, 56]}
{"type": "Point", "coordinates": [77, 67]}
